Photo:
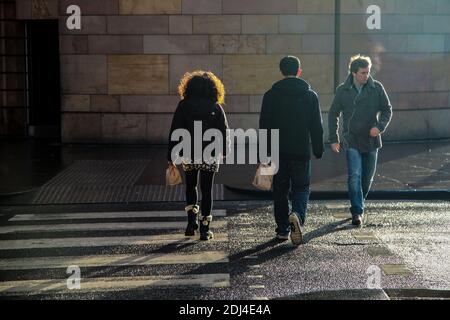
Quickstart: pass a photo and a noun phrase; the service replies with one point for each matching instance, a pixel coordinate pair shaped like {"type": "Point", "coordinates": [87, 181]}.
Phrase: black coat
{"type": "Point", "coordinates": [361, 113]}
{"type": "Point", "coordinates": [293, 108]}
{"type": "Point", "coordinates": [211, 115]}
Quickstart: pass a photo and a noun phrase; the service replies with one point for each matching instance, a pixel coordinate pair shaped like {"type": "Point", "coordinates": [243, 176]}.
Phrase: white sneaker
{"type": "Point", "coordinates": [296, 232]}
{"type": "Point", "coordinates": [282, 237]}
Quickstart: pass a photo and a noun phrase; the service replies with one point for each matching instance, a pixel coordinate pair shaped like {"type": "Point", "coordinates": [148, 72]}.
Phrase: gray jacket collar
{"type": "Point", "coordinates": [349, 82]}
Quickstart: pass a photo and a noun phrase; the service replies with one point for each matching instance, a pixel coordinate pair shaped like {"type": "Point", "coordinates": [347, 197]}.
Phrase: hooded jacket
{"type": "Point", "coordinates": [210, 114]}
{"type": "Point", "coordinates": [293, 108]}
{"type": "Point", "coordinates": [361, 112]}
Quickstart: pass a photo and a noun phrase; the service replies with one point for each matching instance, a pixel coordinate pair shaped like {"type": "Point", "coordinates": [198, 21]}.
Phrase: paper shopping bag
{"type": "Point", "coordinates": [173, 176]}
{"type": "Point", "coordinates": [263, 177]}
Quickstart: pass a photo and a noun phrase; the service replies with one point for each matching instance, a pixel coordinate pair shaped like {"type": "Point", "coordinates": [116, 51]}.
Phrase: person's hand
{"type": "Point", "coordinates": [374, 132]}
{"type": "Point", "coordinates": [336, 147]}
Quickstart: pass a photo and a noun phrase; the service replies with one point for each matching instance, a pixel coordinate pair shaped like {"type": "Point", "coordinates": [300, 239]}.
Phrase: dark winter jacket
{"type": "Point", "coordinates": [361, 113]}
{"type": "Point", "coordinates": [293, 108]}
{"type": "Point", "coordinates": [211, 115]}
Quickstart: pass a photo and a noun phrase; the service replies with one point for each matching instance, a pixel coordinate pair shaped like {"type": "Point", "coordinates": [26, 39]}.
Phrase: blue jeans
{"type": "Point", "coordinates": [293, 179]}
{"type": "Point", "coordinates": [361, 169]}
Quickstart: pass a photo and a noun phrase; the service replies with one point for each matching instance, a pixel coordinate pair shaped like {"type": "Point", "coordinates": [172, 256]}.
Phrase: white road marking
{"type": "Point", "coordinates": [104, 226]}
{"type": "Point", "coordinates": [112, 260]}
{"type": "Point", "coordinates": [104, 241]}
{"type": "Point", "coordinates": [115, 283]}
{"type": "Point", "coordinates": [106, 215]}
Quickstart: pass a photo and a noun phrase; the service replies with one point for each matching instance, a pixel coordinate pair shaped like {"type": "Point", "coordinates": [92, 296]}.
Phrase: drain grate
{"type": "Point", "coordinates": [95, 181]}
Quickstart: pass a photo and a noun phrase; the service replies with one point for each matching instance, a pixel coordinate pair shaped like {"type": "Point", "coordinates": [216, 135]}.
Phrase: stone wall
{"type": "Point", "coordinates": [411, 54]}
{"type": "Point", "coordinates": [119, 73]}
{"type": "Point", "coordinates": [12, 68]}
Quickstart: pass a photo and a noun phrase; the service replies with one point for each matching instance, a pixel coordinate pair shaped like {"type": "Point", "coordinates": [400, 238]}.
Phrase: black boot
{"type": "Point", "coordinates": [205, 233]}
{"type": "Point", "coordinates": [192, 212]}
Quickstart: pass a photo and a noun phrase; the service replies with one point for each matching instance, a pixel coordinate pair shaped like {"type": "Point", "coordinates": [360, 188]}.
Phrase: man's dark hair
{"type": "Point", "coordinates": [289, 66]}
{"type": "Point", "coordinates": [359, 61]}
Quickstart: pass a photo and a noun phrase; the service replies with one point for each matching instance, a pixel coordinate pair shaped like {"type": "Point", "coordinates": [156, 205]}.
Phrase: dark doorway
{"type": "Point", "coordinates": [44, 107]}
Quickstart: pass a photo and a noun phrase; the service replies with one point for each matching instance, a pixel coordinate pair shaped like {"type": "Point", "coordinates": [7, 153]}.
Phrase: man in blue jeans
{"type": "Point", "coordinates": [293, 108]}
{"type": "Point", "coordinates": [367, 112]}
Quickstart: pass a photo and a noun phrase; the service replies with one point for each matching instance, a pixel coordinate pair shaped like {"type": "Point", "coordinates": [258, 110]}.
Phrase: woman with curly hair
{"type": "Point", "coordinates": [202, 95]}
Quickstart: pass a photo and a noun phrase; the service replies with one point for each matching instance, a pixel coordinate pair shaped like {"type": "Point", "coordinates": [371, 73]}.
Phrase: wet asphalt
{"type": "Point", "coordinates": [401, 252]}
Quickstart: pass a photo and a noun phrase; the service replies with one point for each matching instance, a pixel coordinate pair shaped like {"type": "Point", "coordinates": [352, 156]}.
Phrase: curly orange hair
{"type": "Point", "coordinates": [202, 84]}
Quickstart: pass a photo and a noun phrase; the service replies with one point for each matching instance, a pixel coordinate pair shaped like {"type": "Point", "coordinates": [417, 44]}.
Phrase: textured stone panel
{"type": "Point", "coordinates": [237, 104]}
{"type": "Point", "coordinates": [243, 121]}
{"type": "Point", "coordinates": [284, 44]}
{"type": "Point", "coordinates": [438, 121]}
{"type": "Point", "coordinates": [422, 100]}
{"type": "Point", "coordinates": [83, 74]}
{"type": "Point", "coordinates": [389, 24]}
{"type": "Point", "coordinates": [204, 24]}
{"type": "Point", "coordinates": [307, 24]}
{"type": "Point", "coordinates": [256, 103]}
{"type": "Point", "coordinates": [316, 6]}
{"type": "Point", "coordinates": [105, 103]}
{"type": "Point", "coordinates": [138, 74]}
{"type": "Point", "coordinates": [180, 64]}
{"type": "Point", "coordinates": [44, 9]}
{"type": "Point", "coordinates": [138, 25]}
{"type": "Point", "coordinates": [440, 76]}
{"type": "Point", "coordinates": [259, 24]}
{"type": "Point", "coordinates": [89, 25]}
{"type": "Point", "coordinates": [81, 127]}
{"type": "Point", "coordinates": [259, 7]}
{"type": "Point", "coordinates": [231, 44]}
{"type": "Point", "coordinates": [417, 128]}
{"type": "Point", "coordinates": [180, 24]}
{"type": "Point", "coordinates": [13, 121]}
{"type": "Point", "coordinates": [318, 72]}
{"type": "Point", "coordinates": [91, 7]}
{"type": "Point", "coordinates": [73, 44]}
{"type": "Point", "coordinates": [23, 9]}
{"type": "Point", "coordinates": [415, 7]}
{"type": "Point", "coordinates": [150, 7]}
{"type": "Point", "coordinates": [436, 24]}
{"type": "Point", "coordinates": [149, 104]}
{"type": "Point", "coordinates": [360, 6]}
{"type": "Point", "coordinates": [76, 103]}
{"type": "Point", "coordinates": [176, 44]}
{"type": "Point", "coordinates": [318, 43]}
{"type": "Point", "coordinates": [12, 99]}
{"type": "Point", "coordinates": [116, 44]}
{"type": "Point", "coordinates": [158, 127]}
{"type": "Point", "coordinates": [250, 74]}
{"type": "Point", "coordinates": [124, 128]}
{"type": "Point", "coordinates": [13, 47]}
{"type": "Point", "coordinates": [416, 72]}
{"type": "Point", "coordinates": [355, 43]}
{"type": "Point", "coordinates": [202, 6]}
{"type": "Point", "coordinates": [443, 6]}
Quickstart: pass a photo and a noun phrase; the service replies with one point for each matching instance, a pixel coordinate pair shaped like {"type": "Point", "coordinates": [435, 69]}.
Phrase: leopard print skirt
{"type": "Point", "coordinates": [210, 167]}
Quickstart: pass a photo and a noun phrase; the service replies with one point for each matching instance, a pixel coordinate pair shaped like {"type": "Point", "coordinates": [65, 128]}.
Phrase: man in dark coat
{"type": "Point", "coordinates": [367, 112]}
{"type": "Point", "coordinates": [293, 108]}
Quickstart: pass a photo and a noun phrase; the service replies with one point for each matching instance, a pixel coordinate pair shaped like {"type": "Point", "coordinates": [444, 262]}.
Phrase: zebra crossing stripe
{"type": "Point", "coordinates": [104, 241]}
{"type": "Point", "coordinates": [103, 226]}
{"type": "Point", "coordinates": [115, 283]}
{"type": "Point", "coordinates": [112, 260]}
{"type": "Point", "coordinates": [106, 215]}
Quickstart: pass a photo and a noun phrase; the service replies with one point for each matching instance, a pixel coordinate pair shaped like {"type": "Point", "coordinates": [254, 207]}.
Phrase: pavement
{"type": "Point", "coordinates": [135, 251]}
{"type": "Point", "coordinates": [406, 170]}
{"type": "Point", "coordinates": [50, 241]}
